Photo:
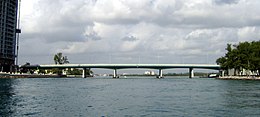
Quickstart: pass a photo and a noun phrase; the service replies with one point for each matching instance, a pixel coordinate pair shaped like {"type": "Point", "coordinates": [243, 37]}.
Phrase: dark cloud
{"type": "Point", "coordinates": [52, 35]}
{"type": "Point", "coordinates": [129, 38]}
{"type": "Point", "coordinates": [221, 2]}
{"type": "Point", "coordinates": [93, 36]}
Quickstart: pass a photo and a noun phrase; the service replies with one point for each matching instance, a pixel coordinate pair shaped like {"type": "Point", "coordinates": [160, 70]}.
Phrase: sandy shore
{"type": "Point", "coordinates": [239, 78]}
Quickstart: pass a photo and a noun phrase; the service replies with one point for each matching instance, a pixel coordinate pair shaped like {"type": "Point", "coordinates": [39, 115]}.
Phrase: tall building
{"type": "Point", "coordinates": [8, 30]}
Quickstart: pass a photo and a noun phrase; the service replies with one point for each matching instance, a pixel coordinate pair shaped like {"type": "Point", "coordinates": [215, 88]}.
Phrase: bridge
{"type": "Point", "coordinates": [116, 67]}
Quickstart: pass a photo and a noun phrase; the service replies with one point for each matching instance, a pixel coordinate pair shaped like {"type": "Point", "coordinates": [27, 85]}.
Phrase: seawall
{"type": "Point", "coordinates": [239, 78]}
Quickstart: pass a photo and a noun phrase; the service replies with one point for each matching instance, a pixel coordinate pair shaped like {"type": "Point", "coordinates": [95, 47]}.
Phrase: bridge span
{"type": "Point", "coordinates": [115, 67]}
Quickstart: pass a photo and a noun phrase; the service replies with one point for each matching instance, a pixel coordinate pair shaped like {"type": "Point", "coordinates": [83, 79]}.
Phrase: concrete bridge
{"type": "Point", "coordinates": [116, 67]}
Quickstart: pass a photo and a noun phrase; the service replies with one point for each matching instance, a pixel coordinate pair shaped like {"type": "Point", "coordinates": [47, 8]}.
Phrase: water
{"type": "Point", "coordinates": [128, 97]}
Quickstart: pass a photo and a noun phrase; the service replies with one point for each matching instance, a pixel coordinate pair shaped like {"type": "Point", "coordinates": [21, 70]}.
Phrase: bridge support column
{"type": "Point", "coordinates": [222, 72]}
{"type": "Point", "coordinates": [115, 74]}
{"type": "Point", "coordinates": [191, 73]}
{"type": "Point", "coordinates": [84, 73]}
{"type": "Point", "coordinates": [160, 74]}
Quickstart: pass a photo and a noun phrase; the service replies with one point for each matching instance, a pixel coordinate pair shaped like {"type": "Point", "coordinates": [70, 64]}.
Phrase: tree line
{"type": "Point", "coordinates": [245, 55]}
{"type": "Point", "coordinates": [59, 59]}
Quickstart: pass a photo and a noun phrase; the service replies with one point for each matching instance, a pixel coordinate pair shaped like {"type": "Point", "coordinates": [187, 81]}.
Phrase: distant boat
{"type": "Point", "coordinates": [213, 75]}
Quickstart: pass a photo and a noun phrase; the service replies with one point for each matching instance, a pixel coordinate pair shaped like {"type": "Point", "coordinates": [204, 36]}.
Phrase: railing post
{"type": "Point", "coordinates": [191, 73]}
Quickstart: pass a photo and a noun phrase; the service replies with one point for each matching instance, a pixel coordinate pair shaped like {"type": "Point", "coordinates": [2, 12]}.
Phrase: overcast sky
{"type": "Point", "coordinates": [135, 31]}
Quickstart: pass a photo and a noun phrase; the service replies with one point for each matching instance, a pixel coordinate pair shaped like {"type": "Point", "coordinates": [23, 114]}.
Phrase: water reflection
{"type": "Point", "coordinates": [6, 97]}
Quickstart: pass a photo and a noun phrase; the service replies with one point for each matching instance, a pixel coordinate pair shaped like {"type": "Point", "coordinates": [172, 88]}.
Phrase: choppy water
{"type": "Point", "coordinates": [97, 97]}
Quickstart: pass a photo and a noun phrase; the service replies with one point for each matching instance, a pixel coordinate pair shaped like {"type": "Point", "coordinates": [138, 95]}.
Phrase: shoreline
{"type": "Point", "coordinates": [239, 78]}
{"type": "Point", "coordinates": [73, 76]}
{"type": "Point", "coordinates": [30, 76]}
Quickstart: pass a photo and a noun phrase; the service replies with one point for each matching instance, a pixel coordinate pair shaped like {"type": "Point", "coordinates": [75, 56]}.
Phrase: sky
{"type": "Point", "coordinates": [135, 31]}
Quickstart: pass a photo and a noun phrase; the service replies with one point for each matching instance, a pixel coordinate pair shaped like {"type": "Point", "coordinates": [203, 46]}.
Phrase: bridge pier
{"type": "Point", "coordinates": [191, 73]}
{"type": "Point", "coordinates": [160, 74]}
{"type": "Point", "coordinates": [84, 73]}
{"type": "Point", "coordinates": [115, 74]}
{"type": "Point", "coordinates": [222, 72]}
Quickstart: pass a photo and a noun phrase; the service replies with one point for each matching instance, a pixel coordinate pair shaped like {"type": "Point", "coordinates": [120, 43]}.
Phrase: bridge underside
{"type": "Point", "coordinates": [115, 67]}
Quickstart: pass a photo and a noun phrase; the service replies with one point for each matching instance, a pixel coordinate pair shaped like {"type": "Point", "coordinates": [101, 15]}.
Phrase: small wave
{"type": "Point", "coordinates": [32, 113]}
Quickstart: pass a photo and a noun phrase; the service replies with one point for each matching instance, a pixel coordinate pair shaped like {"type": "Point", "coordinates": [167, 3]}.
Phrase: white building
{"type": "Point", "coordinates": [149, 73]}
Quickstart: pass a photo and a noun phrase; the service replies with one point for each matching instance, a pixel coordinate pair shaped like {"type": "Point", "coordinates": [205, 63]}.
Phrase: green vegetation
{"type": "Point", "coordinates": [25, 70]}
{"type": "Point", "coordinates": [187, 74]}
{"type": "Point", "coordinates": [60, 59]}
{"type": "Point", "coordinates": [245, 55]}
{"type": "Point", "coordinates": [74, 72]}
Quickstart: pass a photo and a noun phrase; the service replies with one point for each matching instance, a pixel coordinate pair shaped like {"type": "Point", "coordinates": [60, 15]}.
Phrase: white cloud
{"type": "Point", "coordinates": [249, 33]}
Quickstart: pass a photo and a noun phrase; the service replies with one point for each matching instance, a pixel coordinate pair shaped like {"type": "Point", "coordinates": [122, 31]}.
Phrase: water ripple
{"type": "Point", "coordinates": [128, 97]}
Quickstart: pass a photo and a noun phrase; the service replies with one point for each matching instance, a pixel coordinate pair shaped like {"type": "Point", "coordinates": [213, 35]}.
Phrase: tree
{"type": "Point", "coordinates": [60, 59]}
{"type": "Point", "coordinates": [74, 72]}
{"type": "Point", "coordinates": [222, 61]}
{"type": "Point", "coordinates": [255, 60]}
{"type": "Point", "coordinates": [245, 55]}
{"type": "Point", "coordinates": [23, 68]}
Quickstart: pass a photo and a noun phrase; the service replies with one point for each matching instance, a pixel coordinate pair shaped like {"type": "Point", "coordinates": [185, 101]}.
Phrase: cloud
{"type": "Point", "coordinates": [91, 34]}
{"type": "Point", "coordinates": [249, 33]}
{"type": "Point", "coordinates": [175, 30]}
{"type": "Point", "coordinates": [221, 2]}
{"type": "Point", "coordinates": [130, 38]}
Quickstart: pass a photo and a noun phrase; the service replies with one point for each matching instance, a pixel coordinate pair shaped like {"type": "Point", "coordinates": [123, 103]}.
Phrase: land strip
{"type": "Point", "coordinates": [239, 78]}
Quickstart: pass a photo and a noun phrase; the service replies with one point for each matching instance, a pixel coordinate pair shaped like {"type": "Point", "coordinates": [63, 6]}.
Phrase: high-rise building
{"type": "Point", "coordinates": [8, 30]}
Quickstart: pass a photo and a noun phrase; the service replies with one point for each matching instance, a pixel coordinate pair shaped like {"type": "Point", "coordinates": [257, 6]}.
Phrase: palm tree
{"type": "Point", "coordinates": [65, 60]}
{"type": "Point", "coordinates": [60, 59]}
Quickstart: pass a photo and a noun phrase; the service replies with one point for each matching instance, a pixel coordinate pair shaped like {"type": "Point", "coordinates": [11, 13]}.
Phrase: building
{"type": "Point", "coordinates": [8, 30]}
{"type": "Point", "coordinates": [150, 73]}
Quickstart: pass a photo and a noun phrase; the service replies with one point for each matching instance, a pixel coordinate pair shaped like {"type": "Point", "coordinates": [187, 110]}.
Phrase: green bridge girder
{"type": "Point", "coordinates": [127, 66]}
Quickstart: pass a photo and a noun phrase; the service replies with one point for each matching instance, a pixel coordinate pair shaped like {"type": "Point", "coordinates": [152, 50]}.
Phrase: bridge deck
{"type": "Point", "coordinates": [125, 66]}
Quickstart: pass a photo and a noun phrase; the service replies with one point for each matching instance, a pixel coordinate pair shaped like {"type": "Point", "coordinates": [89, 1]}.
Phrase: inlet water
{"type": "Point", "coordinates": [129, 97]}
